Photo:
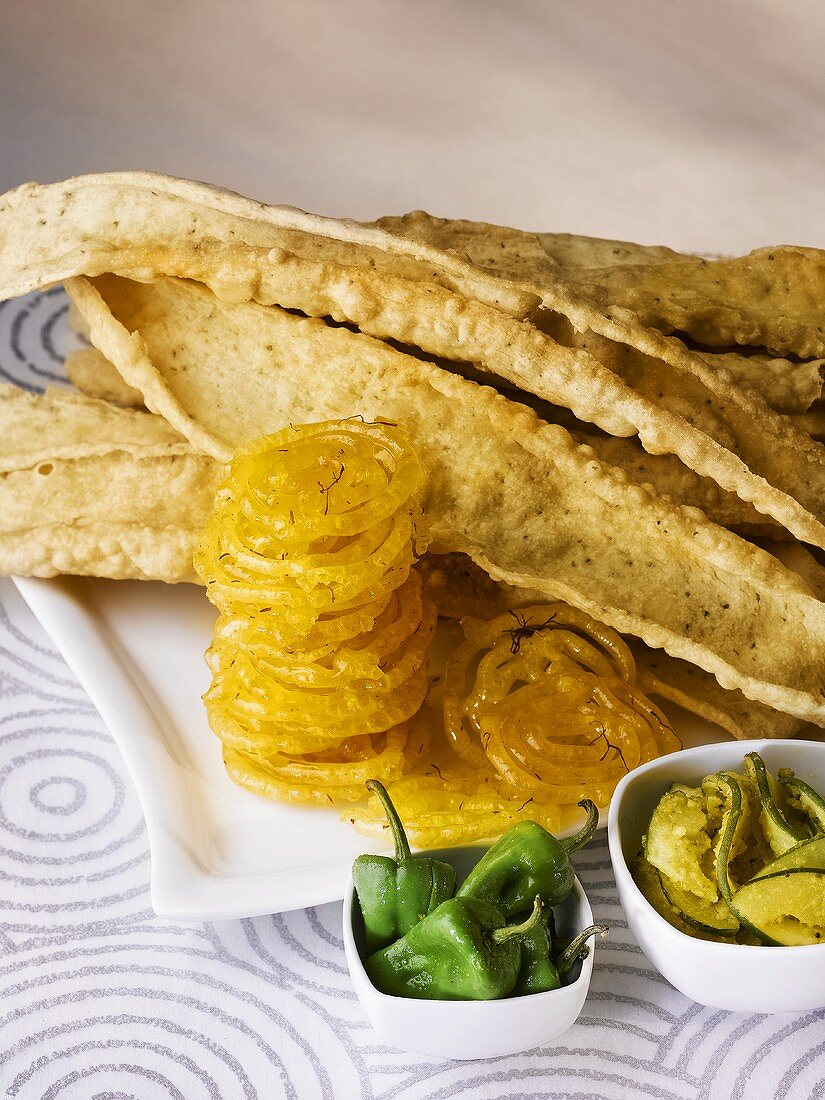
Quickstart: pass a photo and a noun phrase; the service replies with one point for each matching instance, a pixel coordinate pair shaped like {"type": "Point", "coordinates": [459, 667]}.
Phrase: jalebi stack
{"type": "Point", "coordinates": [319, 654]}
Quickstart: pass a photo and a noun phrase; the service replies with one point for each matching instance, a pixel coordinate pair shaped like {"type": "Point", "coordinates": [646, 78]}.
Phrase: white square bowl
{"type": "Point", "coordinates": [467, 1030]}
{"type": "Point", "coordinates": [731, 976]}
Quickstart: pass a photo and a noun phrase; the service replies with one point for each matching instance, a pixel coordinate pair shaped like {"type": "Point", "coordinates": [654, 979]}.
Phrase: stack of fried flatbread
{"type": "Point", "coordinates": [627, 428]}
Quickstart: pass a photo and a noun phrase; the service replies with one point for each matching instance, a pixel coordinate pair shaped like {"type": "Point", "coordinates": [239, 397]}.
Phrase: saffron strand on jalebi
{"type": "Point", "coordinates": [548, 697]}
{"type": "Point", "coordinates": [541, 709]}
{"type": "Point", "coordinates": [319, 655]}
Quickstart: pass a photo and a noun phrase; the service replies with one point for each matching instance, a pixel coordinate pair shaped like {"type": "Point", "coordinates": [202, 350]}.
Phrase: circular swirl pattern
{"type": "Point", "coordinates": [72, 841]}
{"type": "Point", "coordinates": [196, 1026]}
{"type": "Point", "coordinates": [19, 775]}
{"type": "Point", "coordinates": [46, 795]}
{"type": "Point", "coordinates": [35, 338]}
{"type": "Point", "coordinates": [31, 665]}
{"type": "Point", "coordinates": [302, 949]}
{"type": "Point", "coordinates": [100, 999]}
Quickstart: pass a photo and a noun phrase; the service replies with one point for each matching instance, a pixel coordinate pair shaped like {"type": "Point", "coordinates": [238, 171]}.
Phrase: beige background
{"type": "Point", "coordinates": [699, 124]}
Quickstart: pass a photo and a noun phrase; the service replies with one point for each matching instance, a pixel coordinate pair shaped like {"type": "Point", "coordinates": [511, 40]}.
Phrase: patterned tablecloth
{"type": "Point", "coordinates": [101, 999]}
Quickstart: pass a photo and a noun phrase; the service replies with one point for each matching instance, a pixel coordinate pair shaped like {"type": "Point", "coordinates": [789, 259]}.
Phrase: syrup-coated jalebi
{"type": "Point", "coordinates": [455, 803]}
{"type": "Point", "coordinates": [548, 697]}
{"type": "Point", "coordinates": [339, 774]}
{"type": "Point", "coordinates": [541, 709]}
{"type": "Point", "coordinates": [319, 656]}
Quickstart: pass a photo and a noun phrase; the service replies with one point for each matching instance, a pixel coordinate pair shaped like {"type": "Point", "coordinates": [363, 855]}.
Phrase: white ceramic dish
{"type": "Point", "coordinates": [729, 976]}
{"type": "Point", "coordinates": [217, 851]}
{"type": "Point", "coordinates": [466, 1030]}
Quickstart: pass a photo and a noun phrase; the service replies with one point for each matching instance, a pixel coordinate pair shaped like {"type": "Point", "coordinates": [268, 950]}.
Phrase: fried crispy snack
{"type": "Point", "coordinates": [530, 506]}
{"type": "Point", "coordinates": [145, 485]}
{"type": "Point", "coordinates": [573, 253]}
{"type": "Point", "coordinates": [673, 399]}
{"type": "Point", "coordinates": [802, 562]}
{"type": "Point", "coordinates": [87, 488]}
{"type": "Point", "coordinates": [77, 321]}
{"type": "Point", "coordinates": [769, 298]}
{"type": "Point", "coordinates": [402, 287]}
{"type": "Point", "coordinates": [667, 677]}
{"type": "Point", "coordinates": [671, 478]}
{"type": "Point", "coordinates": [456, 585]}
{"type": "Point", "coordinates": [144, 221]}
{"type": "Point", "coordinates": [786, 385]}
{"type": "Point", "coordinates": [460, 588]}
{"type": "Point", "coordinates": [94, 375]}
{"type": "Point", "coordinates": [813, 421]}
{"type": "Point", "coordinates": [319, 656]}
{"type": "Point", "coordinates": [664, 472]}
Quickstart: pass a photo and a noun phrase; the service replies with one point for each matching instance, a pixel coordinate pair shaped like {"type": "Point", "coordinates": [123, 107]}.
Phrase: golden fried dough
{"type": "Point", "coordinates": [518, 495]}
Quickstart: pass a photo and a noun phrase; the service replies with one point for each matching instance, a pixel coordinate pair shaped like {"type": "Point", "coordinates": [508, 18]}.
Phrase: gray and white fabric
{"type": "Point", "coordinates": [101, 999]}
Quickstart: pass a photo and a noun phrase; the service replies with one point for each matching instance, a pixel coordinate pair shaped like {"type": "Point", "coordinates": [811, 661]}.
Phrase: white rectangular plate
{"type": "Point", "coordinates": [217, 851]}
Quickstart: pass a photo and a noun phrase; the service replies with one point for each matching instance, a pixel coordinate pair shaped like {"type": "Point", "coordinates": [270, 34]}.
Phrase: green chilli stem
{"type": "Point", "coordinates": [402, 845]}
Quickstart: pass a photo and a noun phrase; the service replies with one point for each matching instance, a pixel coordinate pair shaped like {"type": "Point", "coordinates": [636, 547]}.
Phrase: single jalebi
{"type": "Point", "coordinates": [336, 775]}
{"type": "Point", "coordinates": [319, 655]}
{"type": "Point", "coordinates": [541, 709]}
{"type": "Point", "coordinates": [548, 697]}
